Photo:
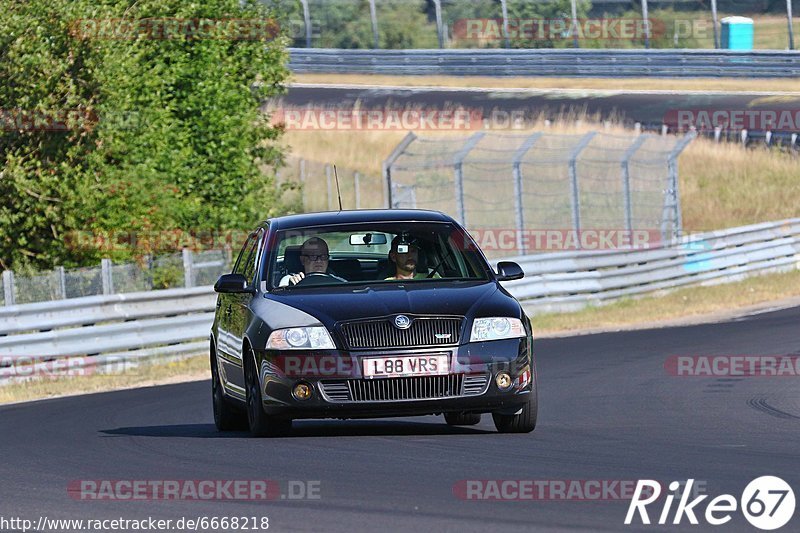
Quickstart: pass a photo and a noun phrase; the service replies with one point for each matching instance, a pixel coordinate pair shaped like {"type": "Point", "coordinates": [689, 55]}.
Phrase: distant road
{"type": "Point", "coordinates": [629, 106]}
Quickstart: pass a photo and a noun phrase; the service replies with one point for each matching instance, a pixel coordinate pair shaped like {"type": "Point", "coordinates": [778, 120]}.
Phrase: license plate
{"type": "Point", "coordinates": [406, 365]}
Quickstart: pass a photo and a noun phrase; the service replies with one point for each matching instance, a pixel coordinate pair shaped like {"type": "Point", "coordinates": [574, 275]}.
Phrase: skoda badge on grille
{"type": "Point", "coordinates": [402, 322]}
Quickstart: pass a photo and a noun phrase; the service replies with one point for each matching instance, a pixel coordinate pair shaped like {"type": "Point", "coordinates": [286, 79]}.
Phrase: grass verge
{"type": "Point", "coordinates": [608, 84]}
{"type": "Point", "coordinates": [681, 306]}
{"type": "Point", "coordinates": [145, 375]}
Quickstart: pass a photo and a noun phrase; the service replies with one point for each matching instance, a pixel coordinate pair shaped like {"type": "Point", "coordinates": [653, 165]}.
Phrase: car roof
{"type": "Point", "coordinates": [356, 216]}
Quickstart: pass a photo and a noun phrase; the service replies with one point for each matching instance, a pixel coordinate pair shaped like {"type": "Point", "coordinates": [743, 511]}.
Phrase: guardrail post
{"type": "Point", "coordinates": [387, 167]}
{"type": "Point", "coordinates": [8, 287]}
{"type": "Point", "coordinates": [573, 178]}
{"type": "Point", "coordinates": [107, 277]}
{"type": "Point", "coordinates": [458, 175]}
{"type": "Point", "coordinates": [626, 179]}
{"type": "Point", "coordinates": [188, 268]}
{"type": "Point", "coordinates": [518, 204]}
{"type": "Point", "coordinates": [62, 281]}
{"type": "Point", "coordinates": [357, 188]}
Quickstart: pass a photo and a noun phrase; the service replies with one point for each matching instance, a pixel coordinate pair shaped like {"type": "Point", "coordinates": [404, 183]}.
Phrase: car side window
{"type": "Point", "coordinates": [249, 268]}
{"type": "Point", "coordinates": [247, 249]}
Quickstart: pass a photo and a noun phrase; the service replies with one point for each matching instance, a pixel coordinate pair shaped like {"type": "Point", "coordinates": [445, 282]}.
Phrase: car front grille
{"type": "Point", "coordinates": [382, 333]}
{"type": "Point", "coordinates": [406, 388]}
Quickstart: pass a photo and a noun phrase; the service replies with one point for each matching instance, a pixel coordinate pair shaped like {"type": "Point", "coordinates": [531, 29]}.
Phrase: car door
{"type": "Point", "coordinates": [240, 308]}
{"type": "Point", "coordinates": [229, 360]}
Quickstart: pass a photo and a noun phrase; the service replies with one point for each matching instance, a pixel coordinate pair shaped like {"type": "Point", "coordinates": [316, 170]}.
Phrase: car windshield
{"type": "Point", "coordinates": [373, 253]}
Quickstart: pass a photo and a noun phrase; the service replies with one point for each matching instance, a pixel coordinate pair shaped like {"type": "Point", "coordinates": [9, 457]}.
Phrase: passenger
{"type": "Point", "coordinates": [406, 262]}
{"type": "Point", "coordinates": [314, 256]}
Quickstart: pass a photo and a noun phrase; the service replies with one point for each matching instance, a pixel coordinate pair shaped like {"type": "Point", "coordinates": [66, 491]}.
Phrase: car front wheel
{"type": "Point", "coordinates": [522, 422]}
{"type": "Point", "coordinates": [261, 425]}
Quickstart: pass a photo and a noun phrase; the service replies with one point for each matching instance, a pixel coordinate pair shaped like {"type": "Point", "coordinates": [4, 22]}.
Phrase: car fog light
{"type": "Point", "coordinates": [503, 381]}
{"type": "Point", "coordinates": [302, 391]}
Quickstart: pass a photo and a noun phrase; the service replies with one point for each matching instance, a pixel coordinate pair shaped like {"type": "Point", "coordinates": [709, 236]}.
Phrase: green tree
{"type": "Point", "coordinates": [160, 133]}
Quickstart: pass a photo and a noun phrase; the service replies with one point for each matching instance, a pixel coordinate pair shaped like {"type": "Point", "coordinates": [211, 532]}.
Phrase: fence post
{"type": "Point", "coordinates": [673, 192]}
{"type": "Point", "coordinates": [303, 183]}
{"type": "Point", "coordinates": [188, 268]}
{"type": "Point", "coordinates": [107, 277]}
{"type": "Point", "coordinates": [573, 178]}
{"type": "Point", "coordinates": [330, 187]}
{"type": "Point", "coordinates": [646, 24]}
{"type": "Point", "coordinates": [574, 32]}
{"type": "Point", "coordinates": [307, 22]}
{"type": "Point", "coordinates": [626, 180]}
{"type": "Point", "coordinates": [8, 287]}
{"type": "Point", "coordinates": [62, 281]}
{"type": "Point", "coordinates": [458, 167]}
{"type": "Point", "coordinates": [356, 187]}
{"type": "Point", "coordinates": [373, 15]}
{"type": "Point", "coordinates": [439, 29]}
{"type": "Point", "coordinates": [714, 22]}
{"type": "Point", "coordinates": [504, 9]}
{"type": "Point", "coordinates": [387, 167]}
{"type": "Point", "coordinates": [517, 173]}
{"type": "Point", "coordinates": [791, 29]}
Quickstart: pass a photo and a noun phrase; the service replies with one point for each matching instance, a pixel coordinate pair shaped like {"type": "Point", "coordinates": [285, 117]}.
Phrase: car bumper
{"type": "Point", "coordinates": [339, 389]}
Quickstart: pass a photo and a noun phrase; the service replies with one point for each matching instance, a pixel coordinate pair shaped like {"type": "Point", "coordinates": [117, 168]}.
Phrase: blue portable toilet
{"type": "Point", "coordinates": [737, 33]}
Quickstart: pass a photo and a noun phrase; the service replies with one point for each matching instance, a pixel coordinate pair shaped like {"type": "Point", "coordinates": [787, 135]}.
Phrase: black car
{"type": "Point", "coordinates": [366, 314]}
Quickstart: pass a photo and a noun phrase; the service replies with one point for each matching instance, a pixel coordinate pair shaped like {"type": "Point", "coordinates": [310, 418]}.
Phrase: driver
{"type": "Point", "coordinates": [314, 257]}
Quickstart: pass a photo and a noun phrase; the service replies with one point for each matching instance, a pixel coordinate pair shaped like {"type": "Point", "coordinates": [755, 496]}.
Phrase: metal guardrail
{"type": "Point", "coordinates": [568, 281]}
{"type": "Point", "coordinates": [175, 323]}
{"type": "Point", "coordinates": [550, 62]}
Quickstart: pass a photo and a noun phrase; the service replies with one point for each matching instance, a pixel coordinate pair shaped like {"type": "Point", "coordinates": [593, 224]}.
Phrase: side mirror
{"type": "Point", "coordinates": [233, 284]}
{"type": "Point", "coordinates": [508, 270]}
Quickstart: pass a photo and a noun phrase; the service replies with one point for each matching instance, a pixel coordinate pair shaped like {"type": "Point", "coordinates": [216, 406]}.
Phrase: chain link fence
{"type": "Point", "coordinates": [314, 186]}
{"type": "Point", "coordinates": [541, 181]}
{"type": "Point", "coordinates": [185, 269]}
{"type": "Point", "coordinates": [407, 24]}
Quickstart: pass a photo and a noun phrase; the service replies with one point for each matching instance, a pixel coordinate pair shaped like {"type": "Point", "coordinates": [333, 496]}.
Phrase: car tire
{"type": "Point", "coordinates": [524, 422]}
{"type": "Point", "coordinates": [462, 419]}
{"type": "Point", "coordinates": [261, 424]}
{"type": "Point", "coordinates": [227, 417]}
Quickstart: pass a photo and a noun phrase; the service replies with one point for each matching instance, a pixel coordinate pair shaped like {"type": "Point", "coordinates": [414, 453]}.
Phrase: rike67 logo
{"type": "Point", "coordinates": [767, 503]}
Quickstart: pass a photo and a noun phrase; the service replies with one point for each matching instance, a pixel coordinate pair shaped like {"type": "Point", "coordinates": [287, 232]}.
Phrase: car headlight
{"type": "Point", "coordinates": [491, 329]}
{"type": "Point", "coordinates": [316, 337]}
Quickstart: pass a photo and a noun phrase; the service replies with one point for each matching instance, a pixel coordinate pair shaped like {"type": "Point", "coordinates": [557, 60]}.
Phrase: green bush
{"type": "Point", "coordinates": [154, 134]}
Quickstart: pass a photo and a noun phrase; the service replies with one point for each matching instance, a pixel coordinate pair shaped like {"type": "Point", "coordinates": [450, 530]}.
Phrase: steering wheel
{"type": "Point", "coordinates": [320, 278]}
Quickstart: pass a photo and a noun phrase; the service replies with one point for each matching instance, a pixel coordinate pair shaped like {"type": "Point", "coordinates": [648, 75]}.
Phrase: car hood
{"type": "Point", "coordinates": [461, 298]}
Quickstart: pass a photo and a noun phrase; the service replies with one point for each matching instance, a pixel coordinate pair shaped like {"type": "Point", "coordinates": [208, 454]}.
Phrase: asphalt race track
{"type": "Point", "coordinates": [651, 108]}
{"type": "Point", "coordinates": [609, 411]}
